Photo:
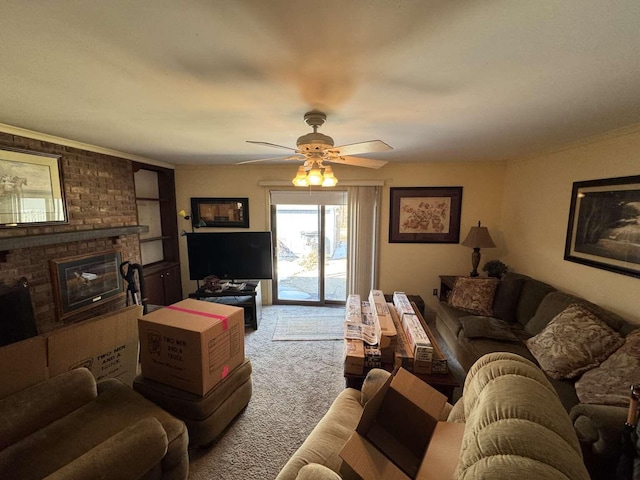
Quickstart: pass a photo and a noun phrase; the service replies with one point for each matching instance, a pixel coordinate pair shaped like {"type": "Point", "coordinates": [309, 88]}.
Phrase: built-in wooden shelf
{"type": "Point", "coordinates": [26, 241]}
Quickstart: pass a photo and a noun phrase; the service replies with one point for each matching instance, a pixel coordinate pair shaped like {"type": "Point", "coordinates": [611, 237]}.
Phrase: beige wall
{"type": "Point", "coordinates": [413, 268]}
{"type": "Point", "coordinates": [535, 215]}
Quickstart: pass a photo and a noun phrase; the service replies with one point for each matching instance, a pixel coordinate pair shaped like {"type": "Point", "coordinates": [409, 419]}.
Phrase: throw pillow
{"type": "Point", "coordinates": [506, 299]}
{"type": "Point", "coordinates": [610, 383]}
{"type": "Point", "coordinates": [487, 327]}
{"type": "Point", "coordinates": [474, 295]}
{"type": "Point", "coordinates": [573, 342]}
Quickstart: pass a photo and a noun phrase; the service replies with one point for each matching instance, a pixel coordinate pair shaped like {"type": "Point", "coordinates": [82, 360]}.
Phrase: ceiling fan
{"type": "Point", "coordinates": [316, 148]}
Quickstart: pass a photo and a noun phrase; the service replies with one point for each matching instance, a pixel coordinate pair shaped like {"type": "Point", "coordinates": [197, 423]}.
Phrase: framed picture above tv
{"type": "Point", "coordinates": [604, 225]}
{"type": "Point", "coordinates": [220, 212]}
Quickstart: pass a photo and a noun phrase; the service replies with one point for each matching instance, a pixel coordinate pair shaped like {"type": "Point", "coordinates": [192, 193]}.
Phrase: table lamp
{"type": "Point", "coordinates": [477, 238]}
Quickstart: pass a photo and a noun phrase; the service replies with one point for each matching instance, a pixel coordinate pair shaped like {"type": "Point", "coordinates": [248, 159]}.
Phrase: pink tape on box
{"type": "Point", "coordinates": [202, 314]}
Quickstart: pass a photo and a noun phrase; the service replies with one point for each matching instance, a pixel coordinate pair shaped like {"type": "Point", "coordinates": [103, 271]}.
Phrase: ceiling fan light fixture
{"type": "Point", "coordinates": [315, 176]}
{"type": "Point", "coordinates": [329, 178]}
{"type": "Point", "coordinates": [300, 180]}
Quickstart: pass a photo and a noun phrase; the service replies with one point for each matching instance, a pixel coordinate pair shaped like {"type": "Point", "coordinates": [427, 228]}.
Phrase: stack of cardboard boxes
{"type": "Point", "coordinates": [402, 338]}
{"type": "Point", "coordinates": [106, 345]}
{"type": "Point", "coordinates": [191, 345]}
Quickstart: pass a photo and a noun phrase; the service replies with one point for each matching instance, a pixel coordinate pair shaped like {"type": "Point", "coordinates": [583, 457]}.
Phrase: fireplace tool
{"type": "Point", "coordinates": [135, 294]}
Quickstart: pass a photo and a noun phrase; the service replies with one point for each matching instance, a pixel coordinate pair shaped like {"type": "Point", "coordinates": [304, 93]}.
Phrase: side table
{"type": "Point", "coordinates": [446, 285]}
{"type": "Point", "coordinates": [250, 299]}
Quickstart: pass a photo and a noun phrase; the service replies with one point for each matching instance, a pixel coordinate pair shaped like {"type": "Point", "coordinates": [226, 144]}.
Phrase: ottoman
{"type": "Point", "coordinates": [205, 417]}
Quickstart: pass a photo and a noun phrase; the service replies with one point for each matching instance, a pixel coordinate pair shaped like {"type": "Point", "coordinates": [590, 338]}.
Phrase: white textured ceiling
{"type": "Point", "coordinates": [188, 81]}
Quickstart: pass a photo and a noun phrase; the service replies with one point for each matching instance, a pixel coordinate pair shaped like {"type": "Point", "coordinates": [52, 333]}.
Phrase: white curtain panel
{"type": "Point", "coordinates": [364, 214]}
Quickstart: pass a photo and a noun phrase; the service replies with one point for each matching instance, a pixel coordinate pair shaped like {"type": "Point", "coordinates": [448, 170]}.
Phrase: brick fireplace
{"type": "Point", "coordinates": [99, 195]}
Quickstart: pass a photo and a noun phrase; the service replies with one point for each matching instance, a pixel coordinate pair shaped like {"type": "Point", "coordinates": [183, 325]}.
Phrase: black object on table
{"type": "Point", "coordinates": [249, 298]}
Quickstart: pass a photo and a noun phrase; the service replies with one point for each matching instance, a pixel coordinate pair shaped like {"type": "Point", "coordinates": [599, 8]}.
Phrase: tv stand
{"type": "Point", "coordinates": [249, 298]}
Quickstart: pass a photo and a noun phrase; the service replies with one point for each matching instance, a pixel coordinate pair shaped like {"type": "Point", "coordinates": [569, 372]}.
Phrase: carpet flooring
{"type": "Point", "coordinates": [320, 327]}
{"type": "Point", "coordinates": [294, 384]}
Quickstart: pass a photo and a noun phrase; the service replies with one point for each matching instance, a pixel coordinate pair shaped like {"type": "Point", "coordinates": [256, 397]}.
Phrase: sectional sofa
{"type": "Point", "coordinates": [590, 355]}
{"type": "Point", "coordinates": [515, 426]}
{"type": "Point", "coordinates": [70, 427]}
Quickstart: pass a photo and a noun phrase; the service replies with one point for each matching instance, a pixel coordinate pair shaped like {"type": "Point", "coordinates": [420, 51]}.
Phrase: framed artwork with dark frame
{"type": "Point", "coordinates": [84, 281]}
{"type": "Point", "coordinates": [604, 225]}
{"type": "Point", "coordinates": [31, 191]}
{"type": "Point", "coordinates": [425, 214]}
{"type": "Point", "coordinates": [220, 212]}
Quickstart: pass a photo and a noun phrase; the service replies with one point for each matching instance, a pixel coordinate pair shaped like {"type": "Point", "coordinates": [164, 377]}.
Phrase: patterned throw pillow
{"type": "Point", "coordinates": [573, 342]}
{"type": "Point", "coordinates": [610, 383]}
{"type": "Point", "coordinates": [474, 295]}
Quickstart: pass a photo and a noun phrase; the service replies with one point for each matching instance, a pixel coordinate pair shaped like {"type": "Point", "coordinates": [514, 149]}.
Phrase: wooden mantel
{"type": "Point", "coordinates": [25, 241]}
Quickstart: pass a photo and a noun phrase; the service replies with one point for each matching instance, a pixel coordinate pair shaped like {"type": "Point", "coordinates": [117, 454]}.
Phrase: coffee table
{"type": "Point", "coordinates": [444, 383]}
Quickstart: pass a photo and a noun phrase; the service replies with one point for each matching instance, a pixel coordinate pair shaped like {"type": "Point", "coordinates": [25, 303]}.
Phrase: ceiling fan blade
{"type": "Point", "coordinates": [362, 147]}
{"type": "Point", "coordinates": [358, 161]}
{"type": "Point", "coordinates": [286, 158]}
{"type": "Point", "coordinates": [267, 144]}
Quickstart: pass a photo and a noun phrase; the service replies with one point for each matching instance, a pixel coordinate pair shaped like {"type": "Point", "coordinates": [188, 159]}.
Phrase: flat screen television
{"type": "Point", "coordinates": [230, 255]}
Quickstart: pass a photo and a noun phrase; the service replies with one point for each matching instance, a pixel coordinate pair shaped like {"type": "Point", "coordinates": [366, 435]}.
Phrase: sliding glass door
{"type": "Point", "coordinates": [310, 242]}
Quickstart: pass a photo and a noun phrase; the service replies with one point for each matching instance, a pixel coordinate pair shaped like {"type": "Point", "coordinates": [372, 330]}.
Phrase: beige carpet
{"type": "Point", "coordinates": [309, 328]}
{"type": "Point", "coordinates": [294, 384]}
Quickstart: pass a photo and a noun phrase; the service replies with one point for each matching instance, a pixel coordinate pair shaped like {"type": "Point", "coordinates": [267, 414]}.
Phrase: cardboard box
{"type": "Point", "coordinates": [385, 328]}
{"type": "Point", "coordinates": [399, 435]}
{"type": "Point", "coordinates": [106, 345]}
{"type": "Point", "coordinates": [438, 359]}
{"type": "Point", "coordinates": [353, 357]}
{"type": "Point", "coordinates": [403, 356]}
{"type": "Point", "coordinates": [419, 343]}
{"type": "Point", "coordinates": [402, 304]}
{"type": "Point", "coordinates": [372, 357]}
{"type": "Point", "coordinates": [22, 365]}
{"type": "Point", "coordinates": [353, 308]}
{"type": "Point", "coordinates": [191, 345]}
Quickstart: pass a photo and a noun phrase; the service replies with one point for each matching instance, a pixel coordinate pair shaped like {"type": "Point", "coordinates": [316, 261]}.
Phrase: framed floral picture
{"type": "Point", "coordinates": [425, 214]}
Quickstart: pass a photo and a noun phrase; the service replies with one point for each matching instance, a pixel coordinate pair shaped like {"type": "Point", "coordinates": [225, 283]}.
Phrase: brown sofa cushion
{"type": "Point", "coordinates": [573, 342]}
{"type": "Point", "coordinates": [505, 302]}
{"type": "Point", "coordinates": [26, 412]}
{"type": "Point", "coordinates": [609, 383]}
{"type": "Point", "coordinates": [531, 294]}
{"type": "Point", "coordinates": [487, 327]}
{"type": "Point", "coordinates": [555, 302]}
{"type": "Point", "coordinates": [474, 295]}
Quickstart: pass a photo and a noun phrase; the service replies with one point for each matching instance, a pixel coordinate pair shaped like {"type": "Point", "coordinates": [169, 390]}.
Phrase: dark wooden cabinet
{"type": "Point", "coordinates": [162, 284]}
{"type": "Point", "coordinates": [156, 206]}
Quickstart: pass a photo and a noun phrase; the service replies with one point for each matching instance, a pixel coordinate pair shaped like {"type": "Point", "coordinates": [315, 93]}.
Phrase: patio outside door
{"type": "Point", "coordinates": [310, 243]}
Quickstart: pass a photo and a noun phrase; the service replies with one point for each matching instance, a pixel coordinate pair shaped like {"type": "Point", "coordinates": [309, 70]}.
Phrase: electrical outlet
{"type": "Point", "coordinates": [435, 292]}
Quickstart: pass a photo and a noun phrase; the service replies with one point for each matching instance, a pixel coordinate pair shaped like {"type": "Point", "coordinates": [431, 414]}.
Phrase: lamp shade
{"type": "Point", "coordinates": [315, 176]}
{"type": "Point", "coordinates": [300, 180]}
{"type": "Point", "coordinates": [478, 237]}
{"type": "Point", "coordinates": [329, 179]}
